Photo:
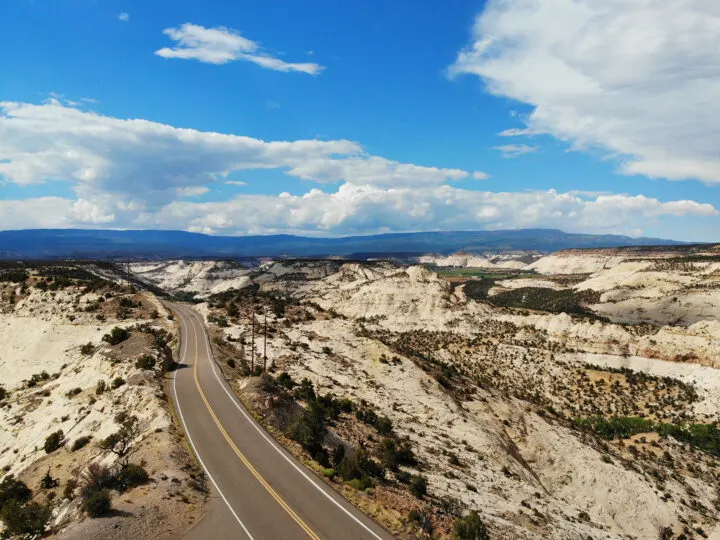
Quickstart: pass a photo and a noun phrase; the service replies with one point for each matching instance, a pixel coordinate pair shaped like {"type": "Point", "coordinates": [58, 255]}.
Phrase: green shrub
{"type": "Point", "coordinates": [471, 527]}
{"type": "Point", "coordinates": [117, 383]}
{"type": "Point", "coordinates": [285, 380]}
{"type": "Point", "coordinates": [13, 489]}
{"type": "Point", "coordinates": [87, 349]}
{"type": "Point", "coordinates": [231, 363]}
{"type": "Point", "coordinates": [48, 482]}
{"type": "Point", "coordinates": [329, 473]}
{"type": "Point", "coordinates": [117, 335]}
{"type": "Point", "coordinates": [361, 484]}
{"type": "Point", "coordinates": [132, 475]}
{"type": "Point", "coordinates": [37, 378]}
{"type": "Point", "coordinates": [145, 362]}
{"type": "Point", "coordinates": [98, 503]}
{"type": "Point", "coordinates": [100, 387]}
{"type": "Point", "coordinates": [418, 486]}
{"type": "Point", "coordinates": [54, 441]}
{"type": "Point", "coordinates": [24, 519]}
{"type": "Point", "coordinates": [80, 443]}
{"type": "Point", "coordinates": [3, 393]}
{"type": "Point", "coordinates": [309, 430]}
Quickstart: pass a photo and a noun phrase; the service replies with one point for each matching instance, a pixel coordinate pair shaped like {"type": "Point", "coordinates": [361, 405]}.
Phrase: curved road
{"type": "Point", "coordinates": [264, 492]}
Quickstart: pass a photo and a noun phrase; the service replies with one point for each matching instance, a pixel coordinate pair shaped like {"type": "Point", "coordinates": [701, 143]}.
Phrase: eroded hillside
{"type": "Point", "coordinates": [549, 425]}
{"type": "Point", "coordinates": [84, 421]}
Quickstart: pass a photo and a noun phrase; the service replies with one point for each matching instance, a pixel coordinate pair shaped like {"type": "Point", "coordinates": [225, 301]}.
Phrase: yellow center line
{"type": "Point", "coordinates": [242, 457]}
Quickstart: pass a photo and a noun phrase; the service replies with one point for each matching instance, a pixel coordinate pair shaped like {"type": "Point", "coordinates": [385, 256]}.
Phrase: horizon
{"type": "Point", "coordinates": [320, 236]}
{"type": "Point", "coordinates": [332, 121]}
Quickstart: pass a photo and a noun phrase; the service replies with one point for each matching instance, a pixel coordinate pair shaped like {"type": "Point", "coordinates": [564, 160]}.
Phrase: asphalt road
{"type": "Point", "coordinates": [262, 491]}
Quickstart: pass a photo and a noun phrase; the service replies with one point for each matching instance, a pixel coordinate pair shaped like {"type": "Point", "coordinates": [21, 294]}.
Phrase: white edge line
{"type": "Point", "coordinates": [197, 454]}
{"type": "Point", "coordinates": [274, 445]}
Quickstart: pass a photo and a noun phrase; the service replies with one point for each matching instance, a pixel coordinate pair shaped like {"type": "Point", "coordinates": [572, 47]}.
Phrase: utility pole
{"type": "Point", "coordinates": [252, 345]}
{"type": "Point", "coordinates": [265, 345]}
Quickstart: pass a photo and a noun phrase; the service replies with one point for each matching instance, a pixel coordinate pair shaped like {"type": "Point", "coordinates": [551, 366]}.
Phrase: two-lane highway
{"type": "Point", "coordinates": [265, 491]}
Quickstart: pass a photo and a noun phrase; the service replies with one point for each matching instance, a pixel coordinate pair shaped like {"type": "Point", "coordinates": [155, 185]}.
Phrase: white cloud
{"type": "Point", "coordinates": [235, 183]}
{"type": "Point", "coordinates": [479, 175]}
{"type": "Point", "coordinates": [221, 45]}
{"type": "Point", "coordinates": [124, 17]}
{"type": "Point", "coordinates": [373, 170]}
{"type": "Point", "coordinates": [357, 209]}
{"type": "Point", "coordinates": [150, 164]}
{"type": "Point", "coordinates": [195, 191]}
{"type": "Point", "coordinates": [145, 161]}
{"type": "Point", "coordinates": [515, 132]}
{"type": "Point", "coordinates": [639, 78]}
{"type": "Point", "coordinates": [515, 150]}
{"type": "Point", "coordinates": [130, 173]}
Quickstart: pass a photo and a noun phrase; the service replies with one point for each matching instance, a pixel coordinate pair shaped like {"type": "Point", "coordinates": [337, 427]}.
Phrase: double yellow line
{"type": "Point", "coordinates": [242, 457]}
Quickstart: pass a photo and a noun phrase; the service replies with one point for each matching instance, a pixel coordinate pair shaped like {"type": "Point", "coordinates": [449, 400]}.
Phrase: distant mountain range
{"type": "Point", "coordinates": [106, 244]}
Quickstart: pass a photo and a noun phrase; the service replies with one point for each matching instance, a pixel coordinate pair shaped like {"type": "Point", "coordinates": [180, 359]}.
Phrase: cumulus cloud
{"type": "Point", "coordinates": [130, 173]}
{"type": "Point", "coordinates": [362, 209]}
{"type": "Point", "coordinates": [146, 161]}
{"type": "Point", "coordinates": [124, 17]}
{"type": "Point", "coordinates": [221, 45]}
{"type": "Point", "coordinates": [374, 170]}
{"type": "Point", "coordinates": [151, 163]}
{"type": "Point", "coordinates": [639, 78]}
{"type": "Point", "coordinates": [515, 150]}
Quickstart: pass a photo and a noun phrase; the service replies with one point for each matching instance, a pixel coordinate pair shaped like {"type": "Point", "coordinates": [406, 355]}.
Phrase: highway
{"type": "Point", "coordinates": [261, 490]}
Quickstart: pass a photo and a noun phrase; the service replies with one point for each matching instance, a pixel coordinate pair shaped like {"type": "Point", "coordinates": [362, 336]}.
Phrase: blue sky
{"type": "Point", "coordinates": [418, 92]}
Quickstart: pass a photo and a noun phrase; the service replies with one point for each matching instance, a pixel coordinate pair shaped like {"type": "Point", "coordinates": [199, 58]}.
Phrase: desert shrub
{"type": "Point", "coordinates": [231, 363]}
{"type": "Point", "coordinates": [98, 503]}
{"type": "Point", "coordinates": [3, 393]}
{"type": "Point", "coordinates": [309, 430]}
{"type": "Point", "coordinates": [471, 527]}
{"type": "Point", "coordinates": [305, 390]}
{"type": "Point", "coordinates": [418, 486]}
{"type": "Point", "coordinates": [54, 441]}
{"type": "Point", "coordinates": [117, 335]}
{"type": "Point", "coordinates": [145, 362]}
{"type": "Point", "coordinates": [24, 519]}
{"type": "Point", "coordinates": [359, 465]}
{"type": "Point", "coordinates": [361, 484]}
{"type": "Point", "coordinates": [96, 478]}
{"type": "Point", "coordinates": [73, 392]}
{"type": "Point", "coordinates": [13, 489]}
{"type": "Point", "coordinates": [87, 349]}
{"type": "Point", "coordinates": [338, 454]}
{"type": "Point", "coordinates": [100, 387]}
{"type": "Point", "coordinates": [117, 382]}
{"type": "Point", "coordinates": [48, 482]}
{"type": "Point", "coordinates": [38, 378]}
{"type": "Point", "coordinates": [80, 443]}
{"type": "Point", "coordinates": [382, 424]}
{"type": "Point", "coordinates": [268, 383]}
{"type": "Point", "coordinates": [422, 520]}
{"type": "Point", "coordinates": [285, 380]}
{"type": "Point", "coordinates": [131, 475]}
{"type": "Point", "coordinates": [70, 487]}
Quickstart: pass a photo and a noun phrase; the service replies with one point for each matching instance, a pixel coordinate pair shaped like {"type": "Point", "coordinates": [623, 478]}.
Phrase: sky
{"type": "Point", "coordinates": [343, 118]}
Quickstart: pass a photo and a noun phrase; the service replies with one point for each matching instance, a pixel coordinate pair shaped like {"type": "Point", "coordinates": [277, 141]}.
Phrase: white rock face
{"type": "Point", "coordinates": [516, 458]}
{"type": "Point", "coordinates": [515, 260]}
{"type": "Point", "coordinates": [37, 337]}
{"type": "Point", "coordinates": [203, 277]}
